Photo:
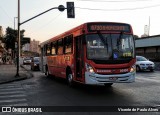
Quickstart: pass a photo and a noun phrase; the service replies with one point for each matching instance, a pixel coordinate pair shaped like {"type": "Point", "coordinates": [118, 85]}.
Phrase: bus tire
{"type": "Point", "coordinates": [70, 78]}
{"type": "Point", "coordinates": [151, 70]}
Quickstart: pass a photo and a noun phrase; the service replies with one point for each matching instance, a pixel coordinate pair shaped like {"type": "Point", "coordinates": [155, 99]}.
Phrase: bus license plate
{"type": "Point", "coordinates": [113, 78]}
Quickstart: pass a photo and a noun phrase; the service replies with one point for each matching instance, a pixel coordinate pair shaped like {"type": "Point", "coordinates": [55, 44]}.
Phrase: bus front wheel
{"type": "Point", "coordinates": [70, 79]}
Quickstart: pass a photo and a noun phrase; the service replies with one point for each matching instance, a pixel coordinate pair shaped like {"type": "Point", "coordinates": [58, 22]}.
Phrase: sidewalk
{"type": "Point", "coordinates": [8, 73]}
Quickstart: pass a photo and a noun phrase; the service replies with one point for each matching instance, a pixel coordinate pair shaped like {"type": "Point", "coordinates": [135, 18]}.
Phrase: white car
{"type": "Point", "coordinates": [144, 64]}
{"type": "Point", "coordinates": [26, 61]}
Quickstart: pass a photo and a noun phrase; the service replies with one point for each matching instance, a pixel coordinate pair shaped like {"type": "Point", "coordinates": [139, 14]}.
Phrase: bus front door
{"type": "Point", "coordinates": [79, 58]}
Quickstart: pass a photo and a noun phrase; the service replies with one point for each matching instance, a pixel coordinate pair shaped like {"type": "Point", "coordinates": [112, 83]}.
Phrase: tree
{"type": "Point", "coordinates": [11, 37]}
{"type": "Point", "coordinates": [136, 36]}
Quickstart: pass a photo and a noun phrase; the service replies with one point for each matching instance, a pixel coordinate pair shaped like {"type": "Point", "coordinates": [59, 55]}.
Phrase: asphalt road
{"type": "Point", "coordinates": [43, 91]}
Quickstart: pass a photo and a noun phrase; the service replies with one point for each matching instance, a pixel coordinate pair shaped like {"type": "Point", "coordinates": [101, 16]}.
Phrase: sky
{"type": "Point", "coordinates": [138, 13]}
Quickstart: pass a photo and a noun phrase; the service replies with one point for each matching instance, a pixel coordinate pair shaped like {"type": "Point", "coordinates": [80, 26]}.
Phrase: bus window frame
{"type": "Point", "coordinates": [48, 46]}
{"type": "Point", "coordinates": [54, 44]}
{"type": "Point", "coordinates": [68, 41]}
{"type": "Point", "coordinates": [60, 46]}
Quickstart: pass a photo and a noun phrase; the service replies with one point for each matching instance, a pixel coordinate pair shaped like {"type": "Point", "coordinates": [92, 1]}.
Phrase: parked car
{"type": "Point", "coordinates": [26, 61]}
{"type": "Point", "coordinates": [35, 63]}
{"type": "Point", "coordinates": [144, 64]}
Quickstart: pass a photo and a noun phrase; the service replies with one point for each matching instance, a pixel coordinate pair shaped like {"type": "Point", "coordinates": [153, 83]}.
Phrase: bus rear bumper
{"type": "Point", "coordinates": [98, 79]}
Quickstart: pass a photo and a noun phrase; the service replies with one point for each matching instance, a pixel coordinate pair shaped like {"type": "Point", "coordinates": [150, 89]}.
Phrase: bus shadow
{"type": "Point", "coordinates": [145, 72]}
{"type": "Point", "coordinates": [100, 93]}
{"type": "Point", "coordinates": [93, 89]}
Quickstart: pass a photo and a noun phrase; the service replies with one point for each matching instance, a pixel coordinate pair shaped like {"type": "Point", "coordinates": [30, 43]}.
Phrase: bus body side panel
{"type": "Point", "coordinates": [57, 65]}
{"type": "Point", "coordinates": [51, 63]}
{"type": "Point", "coordinates": [43, 60]}
{"type": "Point", "coordinates": [60, 66]}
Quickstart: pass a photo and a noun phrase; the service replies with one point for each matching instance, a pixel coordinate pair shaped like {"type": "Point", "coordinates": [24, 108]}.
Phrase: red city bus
{"type": "Point", "coordinates": [95, 53]}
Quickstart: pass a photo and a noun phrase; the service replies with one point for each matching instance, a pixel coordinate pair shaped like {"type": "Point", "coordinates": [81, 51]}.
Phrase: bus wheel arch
{"type": "Point", "coordinates": [69, 76]}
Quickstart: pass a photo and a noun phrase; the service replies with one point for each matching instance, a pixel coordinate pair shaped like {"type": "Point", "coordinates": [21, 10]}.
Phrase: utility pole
{"type": "Point", "coordinates": [18, 40]}
{"type": "Point", "coordinates": [149, 26]}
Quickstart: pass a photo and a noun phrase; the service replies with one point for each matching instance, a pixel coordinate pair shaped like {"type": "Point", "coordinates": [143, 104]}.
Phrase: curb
{"type": "Point", "coordinates": [14, 79]}
{"type": "Point", "coordinates": [31, 75]}
{"type": "Point", "coordinates": [23, 76]}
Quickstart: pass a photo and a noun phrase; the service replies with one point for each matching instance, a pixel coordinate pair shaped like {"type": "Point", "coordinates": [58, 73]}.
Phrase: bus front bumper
{"type": "Point", "coordinates": [98, 79]}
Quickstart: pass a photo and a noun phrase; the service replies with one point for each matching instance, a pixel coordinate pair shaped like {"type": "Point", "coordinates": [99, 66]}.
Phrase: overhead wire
{"type": "Point", "coordinates": [137, 8]}
{"type": "Point", "coordinates": [6, 14]}
{"type": "Point", "coordinates": [46, 24]}
{"type": "Point", "coordinates": [114, 0]}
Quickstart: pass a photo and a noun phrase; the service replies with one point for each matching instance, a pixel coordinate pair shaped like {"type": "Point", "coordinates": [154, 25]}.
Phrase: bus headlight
{"type": "Point", "coordinates": [89, 68]}
{"type": "Point", "coordinates": [133, 68]}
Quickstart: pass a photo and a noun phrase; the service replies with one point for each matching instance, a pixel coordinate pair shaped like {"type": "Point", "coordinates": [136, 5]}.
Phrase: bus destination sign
{"type": "Point", "coordinates": [108, 27]}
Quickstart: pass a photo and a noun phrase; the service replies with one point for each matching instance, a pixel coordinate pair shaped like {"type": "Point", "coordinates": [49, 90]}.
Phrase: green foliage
{"type": "Point", "coordinates": [136, 36]}
{"type": "Point", "coordinates": [25, 40]}
{"type": "Point", "coordinates": [11, 37]}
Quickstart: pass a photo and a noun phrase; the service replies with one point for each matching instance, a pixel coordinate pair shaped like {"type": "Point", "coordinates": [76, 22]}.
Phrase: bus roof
{"type": "Point", "coordinates": [84, 25]}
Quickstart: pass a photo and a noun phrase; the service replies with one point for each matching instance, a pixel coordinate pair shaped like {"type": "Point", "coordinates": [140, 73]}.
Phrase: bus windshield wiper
{"type": "Point", "coordinates": [119, 40]}
{"type": "Point", "coordinates": [103, 39]}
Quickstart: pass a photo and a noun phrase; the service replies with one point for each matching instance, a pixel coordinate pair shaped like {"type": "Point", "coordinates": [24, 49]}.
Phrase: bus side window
{"type": "Point", "coordinates": [48, 49]}
{"type": "Point", "coordinates": [53, 48]}
{"type": "Point", "coordinates": [60, 46]}
{"type": "Point", "coordinates": [43, 50]}
{"type": "Point", "coordinates": [68, 44]}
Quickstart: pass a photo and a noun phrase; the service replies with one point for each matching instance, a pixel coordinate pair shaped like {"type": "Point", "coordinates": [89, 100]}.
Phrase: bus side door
{"type": "Point", "coordinates": [79, 57]}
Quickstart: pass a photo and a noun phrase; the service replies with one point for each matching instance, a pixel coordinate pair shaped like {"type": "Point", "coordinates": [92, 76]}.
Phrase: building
{"type": "Point", "coordinates": [149, 47]}
{"type": "Point", "coordinates": [26, 47]}
{"type": "Point", "coordinates": [31, 49]}
{"type": "Point", "coordinates": [34, 46]}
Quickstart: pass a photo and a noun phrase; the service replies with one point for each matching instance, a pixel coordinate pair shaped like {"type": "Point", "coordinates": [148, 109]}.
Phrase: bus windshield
{"type": "Point", "coordinates": [109, 46]}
